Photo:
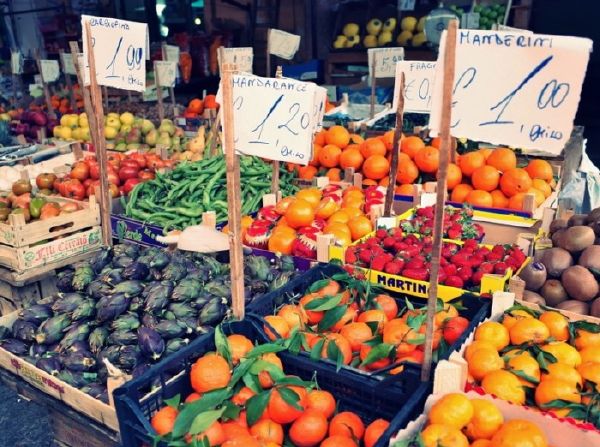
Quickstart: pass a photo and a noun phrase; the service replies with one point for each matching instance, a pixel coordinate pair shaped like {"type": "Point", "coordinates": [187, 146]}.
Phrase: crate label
{"type": "Point", "coordinates": [62, 248]}
{"type": "Point", "coordinates": [134, 231]}
{"type": "Point", "coordinates": [33, 376]}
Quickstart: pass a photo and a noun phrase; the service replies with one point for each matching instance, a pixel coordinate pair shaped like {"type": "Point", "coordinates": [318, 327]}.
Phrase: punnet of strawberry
{"type": "Point", "coordinates": [458, 223]}
{"type": "Point", "coordinates": [393, 251]}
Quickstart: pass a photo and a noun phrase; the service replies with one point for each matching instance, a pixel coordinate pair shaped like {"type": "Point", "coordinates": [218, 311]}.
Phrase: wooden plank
{"type": "Point", "coordinates": [391, 189]}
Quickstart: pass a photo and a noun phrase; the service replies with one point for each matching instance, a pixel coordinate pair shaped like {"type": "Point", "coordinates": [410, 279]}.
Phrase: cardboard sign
{"type": "Point", "coordinates": [418, 85]}
{"type": "Point", "coordinates": [167, 72]}
{"type": "Point", "coordinates": [120, 52]}
{"type": "Point", "coordinates": [385, 60]}
{"type": "Point", "coordinates": [50, 70]}
{"type": "Point", "coordinates": [67, 63]}
{"type": "Point", "coordinates": [16, 62]}
{"type": "Point", "coordinates": [282, 44]}
{"type": "Point", "coordinates": [242, 57]}
{"type": "Point", "coordinates": [172, 53]}
{"type": "Point", "coordinates": [275, 118]}
{"type": "Point", "coordinates": [517, 89]}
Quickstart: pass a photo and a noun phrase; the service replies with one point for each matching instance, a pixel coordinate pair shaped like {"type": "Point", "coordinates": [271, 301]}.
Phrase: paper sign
{"type": "Point", "coordinates": [517, 89]}
{"type": "Point", "coordinates": [149, 94]}
{"type": "Point", "coordinates": [385, 61]}
{"type": "Point", "coordinates": [406, 5]}
{"type": "Point", "coordinates": [16, 62]}
{"type": "Point", "coordinates": [172, 53]}
{"type": "Point", "coordinates": [167, 72]}
{"type": "Point", "coordinates": [469, 20]}
{"type": "Point", "coordinates": [282, 44]}
{"type": "Point", "coordinates": [36, 90]}
{"type": "Point", "coordinates": [241, 57]}
{"type": "Point", "coordinates": [50, 70]}
{"type": "Point", "coordinates": [274, 118]}
{"type": "Point", "coordinates": [119, 51]}
{"type": "Point", "coordinates": [418, 85]}
{"type": "Point", "coordinates": [67, 63]}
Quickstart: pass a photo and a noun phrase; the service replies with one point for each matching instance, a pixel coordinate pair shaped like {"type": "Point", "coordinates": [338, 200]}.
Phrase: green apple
{"type": "Point", "coordinates": [110, 132]}
{"type": "Point", "coordinates": [114, 122]}
{"type": "Point", "coordinates": [127, 118]}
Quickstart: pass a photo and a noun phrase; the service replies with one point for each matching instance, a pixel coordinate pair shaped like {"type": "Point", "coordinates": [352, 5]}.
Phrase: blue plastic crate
{"type": "Point", "coordinates": [134, 406]}
{"type": "Point", "coordinates": [476, 310]}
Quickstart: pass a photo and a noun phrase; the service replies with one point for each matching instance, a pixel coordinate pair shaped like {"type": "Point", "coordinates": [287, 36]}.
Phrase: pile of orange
{"type": "Point", "coordinates": [196, 106]}
{"type": "Point", "coordinates": [261, 406]}
{"type": "Point", "coordinates": [558, 360]}
{"type": "Point", "coordinates": [459, 421]}
{"type": "Point", "coordinates": [368, 332]}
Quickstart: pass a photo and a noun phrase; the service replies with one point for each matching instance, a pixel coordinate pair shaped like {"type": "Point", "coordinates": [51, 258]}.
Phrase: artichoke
{"type": "Point", "coordinates": [175, 271]}
{"type": "Point", "coordinates": [110, 307]}
{"type": "Point", "coordinates": [73, 378]}
{"type": "Point", "coordinates": [112, 276]}
{"type": "Point", "coordinates": [213, 312]}
{"type": "Point", "coordinates": [136, 270]}
{"type": "Point", "coordinates": [97, 289]}
{"type": "Point", "coordinates": [68, 303]}
{"type": "Point", "coordinates": [257, 267]}
{"type": "Point", "coordinates": [110, 353]}
{"type": "Point", "coordinates": [158, 298]}
{"type": "Point", "coordinates": [129, 356]}
{"type": "Point", "coordinates": [24, 330]}
{"type": "Point", "coordinates": [149, 320]}
{"type": "Point", "coordinates": [51, 365]}
{"type": "Point", "coordinates": [188, 289]}
{"type": "Point", "coordinates": [94, 389]}
{"type": "Point", "coordinates": [130, 288]}
{"type": "Point", "coordinates": [82, 277]}
{"type": "Point", "coordinates": [218, 288]}
{"type": "Point", "coordinates": [97, 339]}
{"type": "Point", "coordinates": [150, 342]}
{"type": "Point", "coordinates": [171, 329]}
{"type": "Point", "coordinates": [136, 303]}
{"type": "Point", "coordinates": [14, 346]}
{"type": "Point", "coordinates": [85, 310]}
{"type": "Point", "coordinates": [51, 330]}
{"type": "Point", "coordinates": [36, 313]}
{"type": "Point", "coordinates": [182, 310]}
{"type": "Point", "coordinates": [130, 250]}
{"type": "Point", "coordinates": [176, 344]}
{"type": "Point", "coordinates": [126, 322]}
{"type": "Point", "coordinates": [122, 338]}
{"type": "Point", "coordinates": [101, 260]}
{"type": "Point", "coordinates": [77, 332]}
{"type": "Point", "coordinates": [122, 262]}
{"type": "Point", "coordinates": [78, 361]}
{"type": "Point", "coordinates": [64, 281]}
{"type": "Point", "coordinates": [160, 260]}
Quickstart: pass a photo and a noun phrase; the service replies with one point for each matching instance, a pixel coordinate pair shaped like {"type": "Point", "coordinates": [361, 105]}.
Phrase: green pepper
{"type": "Point", "coordinates": [35, 207]}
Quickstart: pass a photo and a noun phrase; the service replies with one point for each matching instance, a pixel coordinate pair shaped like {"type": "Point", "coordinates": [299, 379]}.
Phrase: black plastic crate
{"type": "Point", "coordinates": [398, 404]}
{"type": "Point", "coordinates": [476, 310]}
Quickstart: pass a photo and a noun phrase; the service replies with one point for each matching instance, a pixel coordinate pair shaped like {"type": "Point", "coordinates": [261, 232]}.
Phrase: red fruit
{"type": "Point", "coordinates": [397, 232]}
{"type": "Point", "coordinates": [487, 267]}
{"type": "Point", "coordinates": [351, 257]}
{"type": "Point", "coordinates": [388, 242]}
{"type": "Point", "coordinates": [454, 281]}
{"type": "Point", "coordinates": [394, 267]}
{"type": "Point", "coordinates": [476, 260]}
{"type": "Point", "coordinates": [454, 234]}
{"type": "Point", "coordinates": [460, 259]}
{"type": "Point", "coordinates": [381, 233]}
{"type": "Point", "coordinates": [453, 328]}
{"type": "Point", "coordinates": [415, 263]}
{"type": "Point", "coordinates": [499, 249]}
{"type": "Point", "coordinates": [493, 257]}
{"type": "Point", "coordinates": [419, 274]}
{"type": "Point", "coordinates": [450, 269]}
{"type": "Point", "coordinates": [365, 256]}
{"type": "Point", "coordinates": [465, 273]}
{"type": "Point", "coordinates": [476, 278]}
{"type": "Point", "coordinates": [500, 268]}
{"type": "Point", "coordinates": [378, 263]}
{"type": "Point", "coordinates": [442, 276]}
{"type": "Point", "coordinates": [470, 243]}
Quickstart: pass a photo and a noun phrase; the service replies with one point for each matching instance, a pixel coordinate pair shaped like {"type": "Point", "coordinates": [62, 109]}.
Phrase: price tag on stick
{"type": "Point", "coordinates": [50, 70]}
{"type": "Point", "coordinates": [67, 63]}
{"type": "Point", "coordinates": [385, 60]}
{"type": "Point", "coordinates": [418, 85]}
{"type": "Point", "coordinates": [242, 58]}
{"type": "Point", "coordinates": [120, 51]}
{"type": "Point", "coordinates": [282, 44]}
{"type": "Point", "coordinates": [16, 62]}
{"type": "Point", "coordinates": [172, 53]}
{"type": "Point", "coordinates": [166, 73]}
{"type": "Point", "coordinates": [517, 89]}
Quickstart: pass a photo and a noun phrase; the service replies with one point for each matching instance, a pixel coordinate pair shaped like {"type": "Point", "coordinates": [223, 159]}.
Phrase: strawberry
{"type": "Point", "coordinates": [455, 231]}
{"type": "Point", "coordinates": [494, 256]}
{"type": "Point", "coordinates": [454, 281]}
{"type": "Point", "coordinates": [415, 263]}
{"type": "Point", "coordinates": [465, 273]}
{"type": "Point", "coordinates": [460, 259]}
{"type": "Point", "coordinates": [498, 249]}
{"type": "Point", "coordinates": [444, 262]}
{"type": "Point", "coordinates": [381, 233]}
{"type": "Point", "coordinates": [388, 242]}
{"type": "Point", "coordinates": [450, 269]}
{"type": "Point", "coordinates": [483, 251]}
{"type": "Point", "coordinates": [351, 257]}
{"type": "Point", "coordinates": [476, 260]}
{"type": "Point", "coordinates": [500, 268]}
{"type": "Point", "coordinates": [486, 267]}
{"type": "Point", "coordinates": [378, 263]}
{"type": "Point", "coordinates": [419, 274]}
{"type": "Point", "coordinates": [426, 212]}
{"type": "Point", "coordinates": [399, 246]}
{"type": "Point", "coordinates": [427, 240]}
{"type": "Point", "coordinates": [394, 267]}
{"type": "Point", "coordinates": [471, 244]}
{"type": "Point", "coordinates": [476, 278]}
{"type": "Point", "coordinates": [397, 232]}
{"type": "Point", "coordinates": [365, 256]}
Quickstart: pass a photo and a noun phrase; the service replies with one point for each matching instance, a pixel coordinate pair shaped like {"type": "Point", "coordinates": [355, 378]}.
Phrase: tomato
{"type": "Point", "coordinates": [95, 171]}
{"type": "Point", "coordinates": [87, 182]}
{"type": "Point", "coordinates": [282, 206]}
{"type": "Point", "coordinates": [90, 159]}
{"type": "Point", "coordinates": [113, 178]}
{"type": "Point", "coordinates": [300, 213]}
{"type": "Point", "coordinates": [114, 190]}
{"type": "Point", "coordinates": [453, 328]}
{"type": "Point", "coordinates": [80, 171]}
{"type": "Point", "coordinates": [91, 189]}
{"type": "Point", "coordinates": [138, 158]}
{"type": "Point", "coordinates": [145, 175]}
{"type": "Point", "coordinates": [74, 189]}
{"type": "Point", "coordinates": [129, 184]}
{"type": "Point", "coordinates": [155, 163]}
{"type": "Point", "coordinates": [128, 172]}
{"type": "Point", "coordinates": [45, 181]}
{"type": "Point", "coordinates": [282, 241]}
{"type": "Point", "coordinates": [128, 162]}
{"type": "Point", "coordinates": [114, 163]}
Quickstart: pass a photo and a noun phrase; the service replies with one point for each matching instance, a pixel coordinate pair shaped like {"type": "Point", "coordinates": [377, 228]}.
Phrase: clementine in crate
{"type": "Point", "coordinates": [515, 181]}
{"type": "Point", "coordinates": [334, 174]}
{"type": "Point", "coordinates": [329, 156]}
{"type": "Point", "coordinates": [315, 158]}
{"type": "Point", "coordinates": [338, 136]}
{"type": "Point", "coordinates": [321, 401]}
{"type": "Point", "coordinates": [477, 197]}
{"type": "Point", "coordinates": [163, 420]}
{"type": "Point", "coordinates": [360, 226]}
{"type": "Point", "coordinates": [540, 169]}
{"type": "Point", "coordinates": [351, 158]}
{"type": "Point", "coordinates": [460, 192]}
{"type": "Point", "coordinates": [376, 167]}
{"type": "Point", "coordinates": [307, 172]}
{"type": "Point", "coordinates": [388, 139]}
{"type": "Point", "coordinates": [196, 106]}
{"type": "Point", "coordinates": [308, 430]}
{"type": "Point", "coordinates": [411, 145]}
{"type": "Point", "coordinates": [453, 177]}
{"type": "Point", "coordinates": [542, 186]}
{"type": "Point", "coordinates": [427, 159]}
{"type": "Point", "coordinates": [210, 373]}
{"type": "Point", "coordinates": [503, 159]}
{"type": "Point", "coordinates": [320, 137]}
{"type": "Point", "coordinates": [485, 178]}
{"type": "Point", "coordinates": [499, 200]}
{"type": "Point", "coordinates": [405, 190]}
{"type": "Point", "coordinates": [516, 202]}
{"type": "Point", "coordinates": [407, 172]}
{"type": "Point", "coordinates": [372, 146]}
{"type": "Point", "coordinates": [470, 161]}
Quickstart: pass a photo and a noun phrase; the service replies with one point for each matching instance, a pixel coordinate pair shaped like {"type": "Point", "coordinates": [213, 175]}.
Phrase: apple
{"type": "Point", "coordinates": [113, 121]}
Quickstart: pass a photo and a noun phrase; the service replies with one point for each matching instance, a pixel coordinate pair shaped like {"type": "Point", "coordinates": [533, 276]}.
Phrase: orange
{"type": "Point", "coordinates": [493, 332]}
{"type": "Point", "coordinates": [503, 159]}
{"type": "Point", "coordinates": [428, 159]}
{"type": "Point", "coordinates": [504, 385]}
{"type": "Point", "coordinates": [314, 161]}
{"type": "Point", "coordinates": [280, 325]}
{"type": "Point", "coordinates": [538, 196]}
{"type": "Point", "coordinates": [241, 440]}
{"type": "Point", "coordinates": [163, 420]}
{"type": "Point", "coordinates": [331, 288]}
{"type": "Point", "coordinates": [551, 389]}
{"type": "Point", "coordinates": [348, 317]}
{"type": "Point", "coordinates": [460, 192]}
{"type": "Point", "coordinates": [407, 172]}
{"type": "Point", "coordinates": [234, 430]}
{"type": "Point", "coordinates": [214, 434]}
{"type": "Point", "coordinates": [300, 213]}
{"type": "Point", "coordinates": [369, 182]}
{"type": "Point", "coordinates": [210, 372]}
{"type": "Point", "coordinates": [477, 197]}
{"type": "Point", "coordinates": [356, 333]}
{"type": "Point", "coordinates": [447, 311]}
{"type": "Point", "coordinates": [340, 216]}
{"type": "Point", "coordinates": [563, 372]}
{"type": "Point", "coordinates": [314, 316]}
{"type": "Point", "coordinates": [542, 186]}
{"type": "Point", "coordinates": [557, 323]}
{"type": "Point", "coordinates": [351, 158]}
{"type": "Point", "coordinates": [590, 371]}
{"type": "Point", "coordinates": [282, 412]}
{"type": "Point", "coordinates": [486, 152]}
{"type": "Point", "coordinates": [387, 304]}
{"type": "Point", "coordinates": [322, 402]}
{"type": "Point", "coordinates": [337, 135]}
{"type": "Point", "coordinates": [360, 226]}
{"type": "Point", "coordinates": [376, 167]}
{"type": "Point", "coordinates": [481, 443]}
{"type": "Point", "coordinates": [338, 441]}
{"type": "Point", "coordinates": [483, 361]}
{"type": "Point", "coordinates": [486, 420]}
{"type": "Point", "coordinates": [309, 429]}
{"type": "Point", "coordinates": [343, 346]}
{"type": "Point", "coordinates": [499, 200]}
{"type": "Point", "coordinates": [326, 207]}
{"type": "Point", "coordinates": [293, 315]}
{"type": "Point", "coordinates": [436, 435]}
{"type": "Point", "coordinates": [372, 146]}
{"type": "Point", "coordinates": [585, 339]}
{"type": "Point", "coordinates": [356, 139]}
{"type": "Point", "coordinates": [336, 228]}
{"type": "Point", "coordinates": [590, 354]}
{"type": "Point", "coordinates": [485, 178]}
{"type": "Point", "coordinates": [374, 431]}
{"type": "Point", "coordinates": [239, 346]}
{"type": "Point", "coordinates": [515, 181]}
{"type": "Point", "coordinates": [405, 190]}
{"type": "Point", "coordinates": [519, 433]}
{"type": "Point", "coordinates": [528, 330]}
{"type": "Point", "coordinates": [540, 169]}
{"type": "Point", "coordinates": [334, 174]}
{"type": "Point", "coordinates": [470, 161]}
{"type": "Point", "coordinates": [476, 345]}
{"type": "Point", "coordinates": [192, 397]}
{"type": "Point", "coordinates": [396, 331]}
{"type": "Point", "coordinates": [454, 176]}
{"type": "Point", "coordinates": [329, 156]}
{"type": "Point", "coordinates": [563, 352]}
{"type": "Point", "coordinates": [320, 137]}
{"type": "Point", "coordinates": [242, 396]}
{"type": "Point", "coordinates": [453, 410]}
{"type": "Point", "coordinates": [307, 172]}
{"type": "Point", "coordinates": [264, 378]}
{"type": "Point", "coordinates": [411, 145]}
{"type": "Point", "coordinates": [347, 424]}
{"type": "Point", "coordinates": [527, 366]}
{"type": "Point", "coordinates": [373, 315]}
{"type": "Point", "coordinates": [517, 202]}
{"type": "Point", "coordinates": [266, 430]}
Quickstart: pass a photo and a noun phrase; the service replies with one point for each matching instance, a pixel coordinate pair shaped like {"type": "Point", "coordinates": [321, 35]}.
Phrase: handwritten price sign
{"type": "Point", "coordinates": [172, 53]}
{"type": "Point", "coordinates": [50, 70]}
{"type": "Point", "coordinates": [67, 63]}
{"type": "Point", "coordinates": [167, 72]}
{"type": "Point", "coordinates": [282, 44]}
{"type": "Point", "coordinates": [276, 118]}
{"type": "Point", "coordinates": [385, 60]}
{"type": "Point", "coordinates": [16, 62]}
{"type": "Point", "coordinates": [418, 85]}
{"type": "Point", "coordinates": [120, 49]}
{"type": "Point", "coordinates": [241, 57]}
{"type": "Point", "coordinates": [522, 90]}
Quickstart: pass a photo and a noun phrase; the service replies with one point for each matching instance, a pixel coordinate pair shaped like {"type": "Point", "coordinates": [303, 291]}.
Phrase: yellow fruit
{"type": "Point", "coordinates": [454, 410]}
{"type": "Point", "coordinates": [585, 339]}
{"type": "Point", "coordinates": [421, 24]}
{"type": "Point", "coordinates": [552, 389]}
{"type": "Point", "coordinates": [483, 361]}
{"type": "Point", "coordinates": [590, 371]}
{"type": "Point", "coordinates": [514, 352]}
{"type": "Point", "coordinates": [493, 332]}
{"type": "Point", "coordinates": [408, 24]}
{"type": "Point", "coordinates": [389, 24]}
{"type": "Point", "coordinates": [436, 435]}
{"type": "Point", "coordinates": [419, 39]}
{"type": "Point", "coordinates": [352, 41]}
{"type": "Point", "coordinates": [340, 42]}
{"type": "Point", "coordinates": [504, 385]}
{"type": "Point", "coordinates": [384, 37]}
{"type": "Point", "coordinates": [563, 372]}
{"type": "Point", "coordinates": [563, 352]}
{"type": "Point", "coordinates": [519, 433]}
{"type": "Point", "coordinates": [526, 366]}
{"type": "Point", "coordinates": [486, 421]}
{"type": "Point", "coordinates": [529, 330]}
{"type": "Point", "coordinates": [404, 38]}
{"type": "Point", "coordinates": [350, 29]}
{"type": "Point", "coordinates": [370, 41]}
{"type": "Point", "coordinates": [557, 323]}
{"type": "Point", "coordinates": [110, 133]}
{"type": "Point", "coordinates": [374, 27]}
{"type": "Point", "coordinates": [590, 354]}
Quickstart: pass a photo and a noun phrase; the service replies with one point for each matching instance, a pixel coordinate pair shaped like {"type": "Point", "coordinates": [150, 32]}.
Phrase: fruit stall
{"type": "Point", "coordinates": [254, 267]}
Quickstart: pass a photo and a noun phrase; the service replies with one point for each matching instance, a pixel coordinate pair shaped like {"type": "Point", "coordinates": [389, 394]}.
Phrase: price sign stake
{"type": "Point", "coordinates": [165, 57]}
{"type": "Point", "coordinates": [68, 69]}
{"type": "Point", "coordinates": [44, 85]}
{"type": "Point", "coordinates": [87, 104]}
{"type": "Point", "coordinates": [159, 94]}
{"type": "Point", "coordinates": [389, 195]}
{"type": "Point", "coordinates": [275, 172]}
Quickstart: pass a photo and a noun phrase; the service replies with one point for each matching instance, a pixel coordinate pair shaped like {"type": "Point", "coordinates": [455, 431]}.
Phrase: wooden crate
{"type": "Point", "coordinates": [18, 233]}
{"type": "Point", "coordinates": [14, 298]}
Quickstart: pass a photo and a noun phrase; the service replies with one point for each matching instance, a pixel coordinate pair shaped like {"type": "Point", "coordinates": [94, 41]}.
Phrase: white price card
{"type": "Point", "coordinates": [167, 72]}
{"type": "Point", "coordinates": [16, 62]}
{"type": "Point", "coordinates": [172, 53]}
{"type": "Point", "coordinates": [418, 85]}
{"type": "Point", "coordinates": [67, 63]}
{"type": "Point", "coordinates": [242, 58]}
{"type": "Point", "coordinates": [282, 44]}
{"type": "Point", "coordinates": [385, 60]}
{"type": "Point", "coordinates": [36, 90]}
{"type": "Point", "coordinates": [50, 70]}
{"type": "Point", "coordinates": [517, 89]}
{"type": "Point", "coordinates": [120, 52]}
{"type": "Point", "coordinates": [275, 118]}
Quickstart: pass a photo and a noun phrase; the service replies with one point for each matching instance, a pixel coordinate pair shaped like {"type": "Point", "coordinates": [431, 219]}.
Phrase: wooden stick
{"type": "Point", "coordinates": [373, 86]}
{"type": "Point", "coordinates": [14, 89]}
{"type": "Point", "coordinates": [233, 195]}
{"type": "Point", "coordinates": [100, 142]}
{"type": "Point", "coordinates": [44, 85]}
{"type": "Point", "coordinates": [275, 163]}
{"type": "Point", "coordinates": [389, 195]}
{"type": "Point", "coordinates": [159, 98]}
{"type": "Point", "coordinates": [129, 98]}
{"type": "Point", "coordinates": [171, 89]}
{"type": "Point", "coordinates": [105, 96]}
{"type": "Point", "coordinates": [268, 55]}
{"type": "Point", "coordinates": [87, 103]}
{"type": "Point", "coordinates": [61, 55]}
{"type": "Point", "coordinates": [448, 83]}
